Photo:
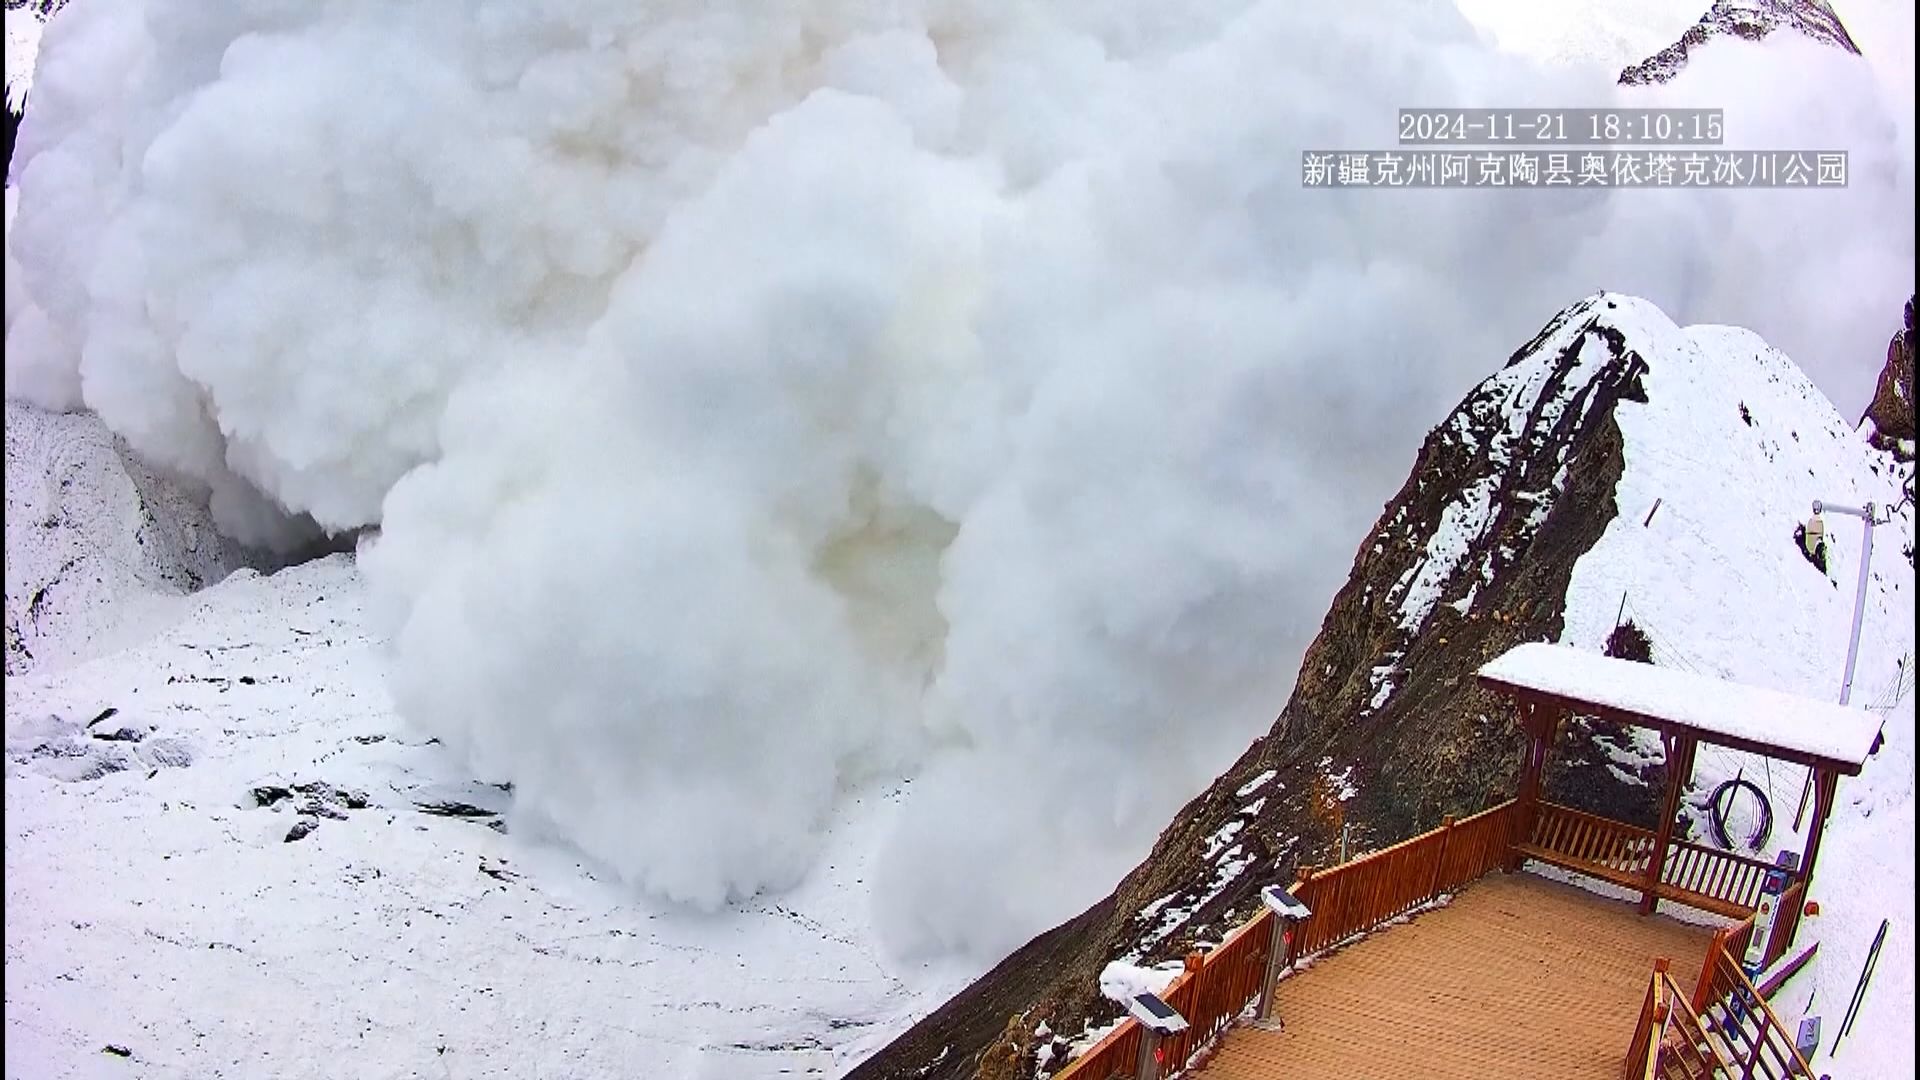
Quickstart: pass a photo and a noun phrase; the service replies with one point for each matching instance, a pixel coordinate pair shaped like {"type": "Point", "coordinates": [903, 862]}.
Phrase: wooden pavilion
{"type": "Point", "coordinates": [1551, 682]}
{"type": "Point", "coordinates": [1519, 976]}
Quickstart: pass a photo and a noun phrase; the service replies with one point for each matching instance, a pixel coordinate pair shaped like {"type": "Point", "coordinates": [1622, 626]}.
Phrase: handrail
{"type": "Point", "coordinates": [1208, 995]}
{"type": "Point", "coordinates": [1357, 896]}
{"type": "Point", "coordinates": [1731, 879]}
{"type": "Point", "coordinates": [1733, 940]}
{"type": "Point", "coordinates": [1347, 899]}
{"type": "Point", "coordinates": [1670, 1031]}
{"type": "Point", "coordinates": [1736, 1013]}
{"type": "Point", "coordinates": [1686, 1041]}
{"type": "Point", "coordinates": [1754, 1037]}
{"type": "Point", "coordinates": [1642, 1056]}
{"type": "Point", "coordinates": [1588, 843]}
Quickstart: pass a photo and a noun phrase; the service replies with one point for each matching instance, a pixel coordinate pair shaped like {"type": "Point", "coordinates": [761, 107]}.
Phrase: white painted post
{"type": "Point", "coordinates": [1865, 514]}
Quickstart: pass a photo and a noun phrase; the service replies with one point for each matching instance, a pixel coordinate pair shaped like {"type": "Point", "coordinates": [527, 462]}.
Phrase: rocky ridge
{"type": "Point", "coordinates": [1752, 20]}
{"type": "Point", "coordinates": [1385, 732]}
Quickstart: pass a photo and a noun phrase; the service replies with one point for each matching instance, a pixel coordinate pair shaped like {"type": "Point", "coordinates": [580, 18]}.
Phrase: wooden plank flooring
{"type": "Point", "coordinates": [1519, 977]}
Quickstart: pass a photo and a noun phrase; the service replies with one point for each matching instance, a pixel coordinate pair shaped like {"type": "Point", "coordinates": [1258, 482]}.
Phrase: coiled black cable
{"type": "Point", "coordinates": [1717, 814]}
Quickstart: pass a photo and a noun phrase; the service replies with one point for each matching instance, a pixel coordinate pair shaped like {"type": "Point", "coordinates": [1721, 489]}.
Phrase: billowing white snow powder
{"type": "Point", "coordinates": [752, 402]}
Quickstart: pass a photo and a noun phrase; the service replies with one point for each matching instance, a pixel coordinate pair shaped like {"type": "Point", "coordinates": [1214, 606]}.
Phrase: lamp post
{"type": "Point", "coordinates": [1866, 515]}
{"type": "Point", "coordinates": [1287, 910]}
{"type": "Point", "coordinates": [1157, 1021]}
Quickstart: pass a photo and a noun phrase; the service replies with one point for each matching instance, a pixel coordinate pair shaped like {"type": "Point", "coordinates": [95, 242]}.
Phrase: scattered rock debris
{"type": "Point", "coordinates": [454, 808]}
{"type": "Point", "coordinates": [268, 794]}
{"type": "Point", "coordinates": [496, 869]}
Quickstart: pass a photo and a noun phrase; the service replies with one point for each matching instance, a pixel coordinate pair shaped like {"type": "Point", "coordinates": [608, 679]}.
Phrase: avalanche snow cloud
{"type": "Point", "coordinates": [758, 400]}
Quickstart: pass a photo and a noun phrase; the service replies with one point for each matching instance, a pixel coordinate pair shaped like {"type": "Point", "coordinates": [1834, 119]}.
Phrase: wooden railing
{"type": "Point", "coordinates": [1684, 1050]}
{"type": "Point", "coordinates": [1357, 896]}
{"type": "Point", "coordinates": [1670, 1041]}
{"type": "Point", "coordinates": [1733, 941]}
{"type": "Point", "coordinates": [1113, 1056]}
{"type": "Point", "coordinates": [1642, 1054]}
{"type": "Point", "coordinates": [1229, 978]}
{"type": "Point", "coordinates": [1753, 1040]}
{"type": "Point", "coordinates": [1787, 923]}
{"type": "Point", "coordinates": [1707, 878]}
{"type": "Point", "coordinates": [1601, 847]}
{"type": "Point", "coordinates": [1345, 900]}
{"type": "Point", "coordinates": [1711, 879]}
{"type": "Point", "coordinates": [1213, 989]}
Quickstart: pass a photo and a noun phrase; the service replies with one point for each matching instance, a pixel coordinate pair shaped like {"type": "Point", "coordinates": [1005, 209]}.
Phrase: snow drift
{"type": "Point", "coordinates": [756, 402]}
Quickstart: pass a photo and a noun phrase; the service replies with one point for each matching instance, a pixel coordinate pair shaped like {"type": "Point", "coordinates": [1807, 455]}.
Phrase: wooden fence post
{"type": "Point", "coordinates": [1440, 858]}
{"type": "Point", "coordinates": [1703, 990]}
{"type": "Point", "coordinates": [1298, 930]}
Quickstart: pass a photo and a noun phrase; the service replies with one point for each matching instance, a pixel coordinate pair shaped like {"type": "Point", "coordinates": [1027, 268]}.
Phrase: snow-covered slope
{"type": "Point", "coordinates": [1611, 35]}
{"type": "Point", "coordinates": [1723, 460]}
{"type": "Point", "coordinates": [24, 21]}
{"type": "Point", "coordinates": [100, 548]}
{"type": "Point", "coordinates": [153, 905]}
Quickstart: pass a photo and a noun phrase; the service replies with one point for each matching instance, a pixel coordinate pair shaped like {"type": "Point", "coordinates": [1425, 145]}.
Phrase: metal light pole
{"type": "Point", "coordinates": [1157, 1021]}
{"type": "Point", "coordinates": [1287, 911]}
{"type": "Point", "coordinates": [1865, 514]}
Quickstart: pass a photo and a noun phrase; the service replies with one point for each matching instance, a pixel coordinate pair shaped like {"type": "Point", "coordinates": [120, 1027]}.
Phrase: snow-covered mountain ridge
{"type": "Point", "coordinates": [1751, 20]}
{"type": "Point", "coordinates": [1618, 469]}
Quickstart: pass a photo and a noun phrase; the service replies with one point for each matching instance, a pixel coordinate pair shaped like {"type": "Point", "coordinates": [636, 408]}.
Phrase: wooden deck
{"type": "Point", "coordinates": [1518, 977]}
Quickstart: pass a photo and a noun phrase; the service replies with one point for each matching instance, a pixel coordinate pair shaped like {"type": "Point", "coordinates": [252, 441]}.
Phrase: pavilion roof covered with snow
{"type": "Point", "coordinates": [1785, 727]}
{"type": "Point", "coordinates": [1551, 682]}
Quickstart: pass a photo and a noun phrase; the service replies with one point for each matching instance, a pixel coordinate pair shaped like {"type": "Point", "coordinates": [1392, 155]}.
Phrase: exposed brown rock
{"type": "Point", "coordinates": [1891, 411]}
{"type": "Point", "coordinates": [1006, 1058]}
{"type": "Point", "coordinates": [1540, 440]}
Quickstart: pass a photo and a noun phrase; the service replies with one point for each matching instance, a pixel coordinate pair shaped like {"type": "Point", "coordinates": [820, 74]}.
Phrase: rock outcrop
{"type": "Point", "coordinates": [1749, 19]}
{"type": "Point", "coordinates": [90, 526]}
{"type": "Point", "coordinates": [1386, 731]}
{"type": "Point", "coordinates": [1889, 417]}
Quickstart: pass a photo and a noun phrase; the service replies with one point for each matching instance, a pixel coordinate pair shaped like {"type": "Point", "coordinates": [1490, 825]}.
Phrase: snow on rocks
{"type": "Point", "coordinates": [100, 548]}
{"type": "Point", "coordinates": [1256, 783]}
{"type": "Point", "coordinates": [1464, 520]}
{"type": "Point", "coordinates": [1506, 448]}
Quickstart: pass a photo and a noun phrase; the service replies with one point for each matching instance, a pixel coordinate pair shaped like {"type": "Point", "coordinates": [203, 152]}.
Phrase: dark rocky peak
{"type": "Point", "coordinates": [1385, 732]}
{"type": "Point", "coordinates": [1749, 19]}
{"type": "Point", "coordinates": [1889, 417]}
